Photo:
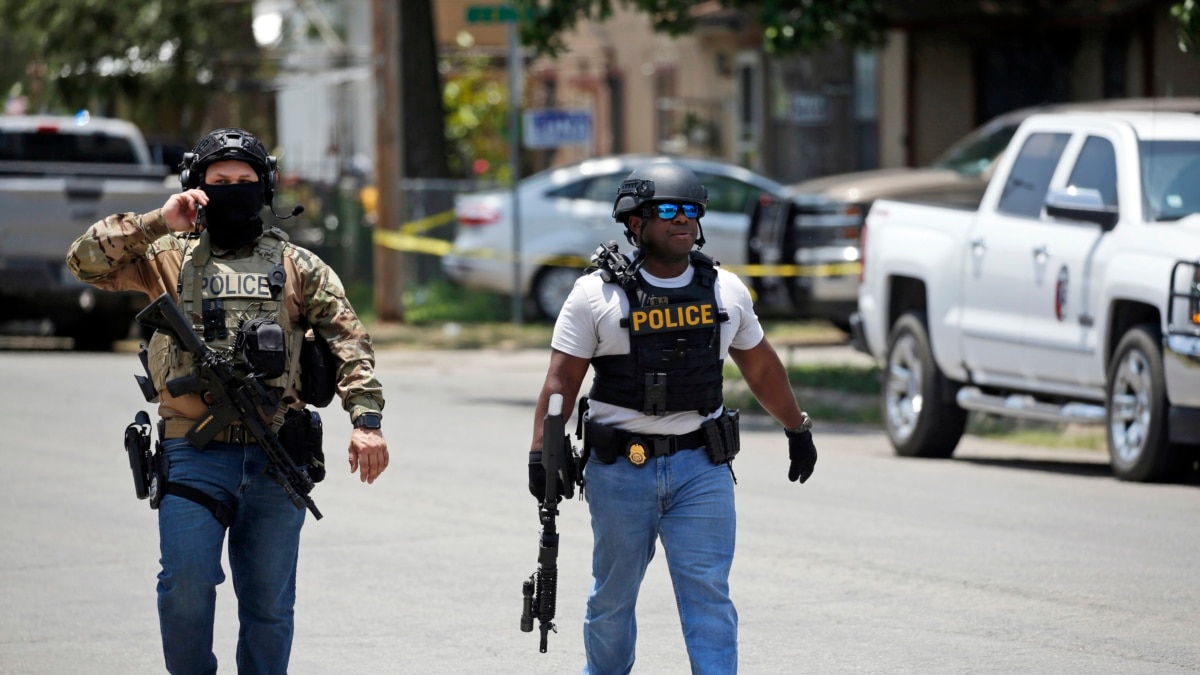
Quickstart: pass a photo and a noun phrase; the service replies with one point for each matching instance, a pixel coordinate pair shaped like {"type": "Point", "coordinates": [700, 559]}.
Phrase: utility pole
{"type": "Point", "coordinates": [389, 155]}
{"type": "Point", "coordinates": [515, 64]}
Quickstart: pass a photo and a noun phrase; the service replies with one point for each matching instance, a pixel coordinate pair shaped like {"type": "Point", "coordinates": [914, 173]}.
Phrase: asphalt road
{"type": "Point", "coordinates": [1005, 559]}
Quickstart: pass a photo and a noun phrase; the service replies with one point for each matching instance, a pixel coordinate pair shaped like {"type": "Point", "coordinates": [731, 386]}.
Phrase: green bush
{"type": "Point", "coordinates": [845, 378]}
{"type": "Point", "coordinates": [835, 393]}
{"type": "Point", "coordinates": [442, 301]}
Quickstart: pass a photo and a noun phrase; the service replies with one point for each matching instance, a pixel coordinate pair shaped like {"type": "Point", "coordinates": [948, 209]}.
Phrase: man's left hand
{"type": "Point", "coordinates": [803, 454]}
{"type": "Point", "coordinates": [368, 454]}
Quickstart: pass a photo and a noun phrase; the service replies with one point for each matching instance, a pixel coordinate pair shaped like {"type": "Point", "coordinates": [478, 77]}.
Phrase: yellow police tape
{"type": "Point", "coordinates": [407, 239]}
{"type": "Point", "coordinates": [428, 223]}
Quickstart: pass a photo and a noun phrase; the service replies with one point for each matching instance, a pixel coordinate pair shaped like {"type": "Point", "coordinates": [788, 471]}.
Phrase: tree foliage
{"type": "Point", "coordinates": [1187, 18]}
{"type": "Point", "coordinates": [153, 61]}
{"type": "Point", "coordinates": [476, 101]}
{"type": "Point", "coordinates": [792, 26]}
{"type": "Point", "coordinates": [788, 26]}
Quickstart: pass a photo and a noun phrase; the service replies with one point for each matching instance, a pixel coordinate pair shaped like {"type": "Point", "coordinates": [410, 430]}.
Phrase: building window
{"type": "Point", "coordinates": [866, 110]}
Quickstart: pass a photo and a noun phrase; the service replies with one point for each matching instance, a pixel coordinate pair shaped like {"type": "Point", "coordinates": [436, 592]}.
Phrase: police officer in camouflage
{"type": "Point", "coordinates": [656, 328]}
{"type": "Point", "coordinates": [207, 247]}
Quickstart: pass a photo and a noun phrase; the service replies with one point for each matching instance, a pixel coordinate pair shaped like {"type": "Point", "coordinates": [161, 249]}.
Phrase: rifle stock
{"type": "Point", "coordinates": [233, 398]}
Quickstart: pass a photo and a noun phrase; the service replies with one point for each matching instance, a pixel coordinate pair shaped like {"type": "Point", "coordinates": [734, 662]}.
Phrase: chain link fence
{"type": "Point", "coordinates": [339, 222]}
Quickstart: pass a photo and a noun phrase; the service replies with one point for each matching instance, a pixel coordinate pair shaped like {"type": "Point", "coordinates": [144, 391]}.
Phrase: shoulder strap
{"type": "Point", "coordinates": [706, 276]}
{"type": "Point", "coordinates": [199, 258]}
{"type": "Point", "coordinates": [276, 233]}
{"type": "Point", "coordinates": [699, 258]}
{"type": "Point", "coordinates": [706, 269]}
{"type": "Point", "coordinates": [271, 244]}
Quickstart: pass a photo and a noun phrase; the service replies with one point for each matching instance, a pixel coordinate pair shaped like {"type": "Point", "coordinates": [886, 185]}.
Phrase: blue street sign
{"type": "Point", "coordinates": [552, 127]}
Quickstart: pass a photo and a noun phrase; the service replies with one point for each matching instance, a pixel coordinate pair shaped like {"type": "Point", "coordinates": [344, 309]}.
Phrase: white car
{"type": "Point", "coordinates": [566, 213]}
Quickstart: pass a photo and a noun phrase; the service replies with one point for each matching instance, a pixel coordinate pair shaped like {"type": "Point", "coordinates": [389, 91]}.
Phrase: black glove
{"type": "Point", "coordinates": [537, 479]}
{"type": "Point", "coordinates": [802, 453]}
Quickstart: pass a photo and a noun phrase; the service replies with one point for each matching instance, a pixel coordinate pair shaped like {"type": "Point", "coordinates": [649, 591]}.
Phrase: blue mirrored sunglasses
{"type": "Point", "coordinates": [667, 210]}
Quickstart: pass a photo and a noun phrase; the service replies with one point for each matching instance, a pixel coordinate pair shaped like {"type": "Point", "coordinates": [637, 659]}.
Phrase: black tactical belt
{"type": "Point", "coordinates": [608, 443]}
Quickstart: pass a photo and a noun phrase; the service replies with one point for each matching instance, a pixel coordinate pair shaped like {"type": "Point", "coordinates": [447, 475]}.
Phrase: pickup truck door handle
{"type": "Point", "coordinates": [1041, 254]}
{"type": "Point", "coordinates": [978, 247]}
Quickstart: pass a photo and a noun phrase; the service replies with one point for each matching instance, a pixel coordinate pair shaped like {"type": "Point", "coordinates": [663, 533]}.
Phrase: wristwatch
{"type": "Point", "coordinates": [805, 425]}
{"type": "Point", "coordinates": [368, 420]}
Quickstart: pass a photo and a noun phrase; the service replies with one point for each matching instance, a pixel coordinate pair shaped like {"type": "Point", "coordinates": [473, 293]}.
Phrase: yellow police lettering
{"type": "Point", "coordinates": [671, 317]}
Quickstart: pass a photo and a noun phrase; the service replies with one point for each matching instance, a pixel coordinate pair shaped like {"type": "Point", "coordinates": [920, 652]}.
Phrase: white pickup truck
{"type": "Point", "coordinates": [58, 175]}
{"type": "Point", "coordinates": [1072, 293]}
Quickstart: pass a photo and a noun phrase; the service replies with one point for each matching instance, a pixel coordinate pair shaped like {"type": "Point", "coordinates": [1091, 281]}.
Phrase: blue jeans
{"type": "Point", "coordinates": [264, 540]}
{"type": "Point", "coordinates": [687, 501]}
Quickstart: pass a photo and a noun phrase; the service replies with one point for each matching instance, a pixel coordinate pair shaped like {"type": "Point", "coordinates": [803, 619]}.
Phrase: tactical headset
{"type": "Point", "coordinates": [229, 143]}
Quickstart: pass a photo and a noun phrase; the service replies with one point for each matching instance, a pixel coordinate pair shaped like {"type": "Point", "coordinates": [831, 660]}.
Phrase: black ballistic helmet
{"type": "Point", "coordinates": [229, 143]}
{"type": "Point", "coordinates": [664, 182]}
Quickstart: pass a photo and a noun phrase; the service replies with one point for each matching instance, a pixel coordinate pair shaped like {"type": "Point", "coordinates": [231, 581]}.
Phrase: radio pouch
{"type": "Point", "coordinates": [263, 348]}
{"type": "Point", "coordinates": [318, 371]}
{"type": "Point", "coordinates": [302, 435]}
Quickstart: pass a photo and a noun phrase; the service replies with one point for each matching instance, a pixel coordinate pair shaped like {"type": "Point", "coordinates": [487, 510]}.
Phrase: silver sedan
{"type": "Point", "coordinates": [565, 213]}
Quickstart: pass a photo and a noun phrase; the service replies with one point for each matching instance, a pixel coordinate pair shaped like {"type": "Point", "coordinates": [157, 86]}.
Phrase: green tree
{"type": "Point", "coordinates": [787, 25]}
{"type": "Point", "coordinates": [790, 26]}
{"type": "Point", "coordinates": [1187, 18]}
{"type": "Point", "coordinates": [477, 102]}
{"type": "Point", "coordinates": [155, 62]}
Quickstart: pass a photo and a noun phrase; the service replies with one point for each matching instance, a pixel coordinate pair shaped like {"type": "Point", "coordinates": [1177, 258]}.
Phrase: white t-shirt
{"type": "Point", "coordinates": [589, 325]}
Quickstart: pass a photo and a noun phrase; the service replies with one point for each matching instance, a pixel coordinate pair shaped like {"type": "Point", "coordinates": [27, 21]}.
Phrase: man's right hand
{"type": "Point", "coordinates": [179, 212]}
{"type": "Point", "coordinates": [537, 478]}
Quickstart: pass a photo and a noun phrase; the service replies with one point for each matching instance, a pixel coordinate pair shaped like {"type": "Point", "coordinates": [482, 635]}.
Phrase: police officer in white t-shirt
{"type": "Point", "coordinates": [656, 328]}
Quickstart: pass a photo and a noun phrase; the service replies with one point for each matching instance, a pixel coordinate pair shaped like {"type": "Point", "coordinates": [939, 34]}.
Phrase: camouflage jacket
{"type": "Point", "coordinates": [130, 252]}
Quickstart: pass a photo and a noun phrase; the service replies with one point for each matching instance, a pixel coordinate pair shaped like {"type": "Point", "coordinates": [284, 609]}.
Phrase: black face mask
{"type": "Point", "coordinates": [231, 214]}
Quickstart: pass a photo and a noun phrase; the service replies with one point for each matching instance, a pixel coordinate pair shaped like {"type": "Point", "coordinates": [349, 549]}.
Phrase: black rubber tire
{"type": "Point", "coordinates": [98, 333]}
{"type": "Point", "coordinates": [919, 414]}
{"type": "Point", "coordinates": [1136, 410]}
{"type": "Point", "coordinates": [551, 286]}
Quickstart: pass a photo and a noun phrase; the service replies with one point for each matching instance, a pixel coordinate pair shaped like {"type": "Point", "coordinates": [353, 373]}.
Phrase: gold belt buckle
{"type": "Point", "coordinates": [637, 453]}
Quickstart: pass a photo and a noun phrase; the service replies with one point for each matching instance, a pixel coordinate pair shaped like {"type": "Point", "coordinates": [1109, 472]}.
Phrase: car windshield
{"type": "Point", "coordinates": [32, 146]}
{"type": "Point", "coordinates": [1170, 178]}
{"type": "Point", "coordinates": [972, 155]}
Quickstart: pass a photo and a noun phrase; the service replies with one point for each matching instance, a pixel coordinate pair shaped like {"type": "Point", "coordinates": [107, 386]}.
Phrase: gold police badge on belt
{"type": "Point", "coordinates": [637, 453]}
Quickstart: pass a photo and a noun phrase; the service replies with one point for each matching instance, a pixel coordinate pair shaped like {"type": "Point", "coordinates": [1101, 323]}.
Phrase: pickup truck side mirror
{"type": "Point", "coordinates": [1084, 204]}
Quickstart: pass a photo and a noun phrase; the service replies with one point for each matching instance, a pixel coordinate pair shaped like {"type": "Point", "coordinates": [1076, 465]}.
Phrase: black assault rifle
{"type": "Point", "coordinates": [540, 591]}
{"type": "Point", "coordinates": [230, 397]}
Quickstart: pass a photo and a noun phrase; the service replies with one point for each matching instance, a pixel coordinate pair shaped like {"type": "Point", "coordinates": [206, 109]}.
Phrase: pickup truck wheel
{"type": "Point", "coordinates": [920, 417]}
{"type": "Point", "coordinates": [1136, 403]}
{"type": "Point", "coordinates": [99, 333]}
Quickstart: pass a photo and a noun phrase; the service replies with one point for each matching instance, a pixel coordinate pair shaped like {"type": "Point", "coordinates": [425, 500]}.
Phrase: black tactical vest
{"type": "Point", "coordinates": [674, 362]}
